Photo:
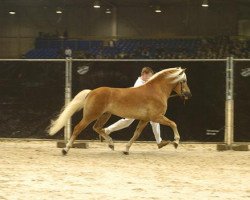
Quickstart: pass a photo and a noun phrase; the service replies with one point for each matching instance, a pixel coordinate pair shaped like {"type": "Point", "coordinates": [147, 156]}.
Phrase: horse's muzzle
{"type": "Point", "coordinates": [187, 95]}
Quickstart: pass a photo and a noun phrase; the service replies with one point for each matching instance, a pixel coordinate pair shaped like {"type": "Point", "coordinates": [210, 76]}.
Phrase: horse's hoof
{"type": "Point", "coordinates": [112, 147]}
{"type": "Point", "coordinates": [125, 152]}
{"type": "Point", "coordinates": [175, 145]}
{"type": "Point", "coordinates": [163, 143]}
{"type": "Point", "coordinates": [64, 152]}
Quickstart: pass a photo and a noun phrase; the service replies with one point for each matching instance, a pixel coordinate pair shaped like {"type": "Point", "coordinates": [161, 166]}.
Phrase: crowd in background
{"type": "Point", "coordinates": [222, 47]}
{"type": "Point", "coordinates": [212, 47]}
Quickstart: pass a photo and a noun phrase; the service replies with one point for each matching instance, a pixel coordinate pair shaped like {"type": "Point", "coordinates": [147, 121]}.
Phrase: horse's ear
{"type": "Point", "coordinates": [182, 71]}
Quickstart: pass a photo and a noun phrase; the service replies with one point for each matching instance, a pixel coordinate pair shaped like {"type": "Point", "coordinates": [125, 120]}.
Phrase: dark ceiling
{"type": "Point", "coordinates": [118, 3]}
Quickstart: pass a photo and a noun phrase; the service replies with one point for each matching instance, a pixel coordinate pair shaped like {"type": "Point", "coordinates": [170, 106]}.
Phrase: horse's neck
{"type": "Point", "coordinates": [162, 86]}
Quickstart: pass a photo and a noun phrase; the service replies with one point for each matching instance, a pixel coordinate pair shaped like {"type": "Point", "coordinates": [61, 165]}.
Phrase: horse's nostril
{"type": "Point", "coordinates": [188, 94]}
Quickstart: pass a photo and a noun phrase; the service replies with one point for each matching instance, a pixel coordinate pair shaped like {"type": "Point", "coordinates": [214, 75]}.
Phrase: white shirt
{"type": "Point", "coordinates": [139, 82]}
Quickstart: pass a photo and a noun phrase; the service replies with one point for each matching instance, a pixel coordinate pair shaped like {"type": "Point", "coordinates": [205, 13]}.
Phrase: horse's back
{"type": "Point", "coordinates": [123, 102]}
{"type": "Point", "coordinates": [103, 95]}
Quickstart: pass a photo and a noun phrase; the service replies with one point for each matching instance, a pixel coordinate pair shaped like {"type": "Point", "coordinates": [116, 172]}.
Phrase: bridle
{"type": "Point", "coordinates": [182, 93]}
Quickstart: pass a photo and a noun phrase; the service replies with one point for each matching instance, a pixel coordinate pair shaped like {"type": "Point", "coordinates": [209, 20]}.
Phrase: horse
{"type": "Point", "coordinates": [145, 103]}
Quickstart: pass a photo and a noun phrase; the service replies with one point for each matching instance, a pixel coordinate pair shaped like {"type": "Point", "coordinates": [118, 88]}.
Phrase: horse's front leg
{"type": "Point", "coordinates": [141, 125]}
{"type": "Point", "coordinates": [165, 121]}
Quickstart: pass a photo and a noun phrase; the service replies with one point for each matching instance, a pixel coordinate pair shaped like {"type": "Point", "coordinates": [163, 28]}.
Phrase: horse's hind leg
{"type": "Point", "coordinates": [141, 125]}
{"type": "Point", "coordinates": [98, 128]}
{"type": "Point", "coordinates": [78, 128]}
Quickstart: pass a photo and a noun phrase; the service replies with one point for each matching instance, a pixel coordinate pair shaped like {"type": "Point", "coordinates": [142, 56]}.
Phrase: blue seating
{"type": "Point", "coordinates": [131, 47]}
{"type": "Point", "coordinates": [45, 53]}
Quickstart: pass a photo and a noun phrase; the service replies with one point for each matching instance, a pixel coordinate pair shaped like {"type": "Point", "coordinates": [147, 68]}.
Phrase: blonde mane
{"type": "Point", "coordinates": [175, 75]}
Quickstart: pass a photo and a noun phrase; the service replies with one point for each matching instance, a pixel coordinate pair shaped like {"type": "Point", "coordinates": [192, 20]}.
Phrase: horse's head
{"type": "Point", "coordinates": [181, 87]}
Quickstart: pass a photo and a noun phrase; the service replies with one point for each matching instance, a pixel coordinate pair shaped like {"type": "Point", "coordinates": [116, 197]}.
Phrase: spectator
{"type": "Point", "coordinates": [68, 52]}
{"type": "Point", "coordinates": [145, 53]}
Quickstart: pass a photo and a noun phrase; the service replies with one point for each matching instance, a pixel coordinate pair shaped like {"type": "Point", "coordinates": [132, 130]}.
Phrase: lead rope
{"type": "Point", "coordinates": [173, 95]}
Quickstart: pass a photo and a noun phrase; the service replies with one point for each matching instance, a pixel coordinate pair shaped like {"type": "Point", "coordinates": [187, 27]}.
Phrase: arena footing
{"type": "Point", "coordinates": [81, 145]}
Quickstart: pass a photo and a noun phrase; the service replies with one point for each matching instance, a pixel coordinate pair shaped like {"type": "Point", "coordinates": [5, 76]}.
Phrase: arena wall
{"type": "Point", "coordinates": [19, 31]}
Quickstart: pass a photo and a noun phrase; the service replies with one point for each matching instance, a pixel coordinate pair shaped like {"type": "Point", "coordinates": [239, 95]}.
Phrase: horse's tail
{"type": "Point", "coordinates": [75, 105]}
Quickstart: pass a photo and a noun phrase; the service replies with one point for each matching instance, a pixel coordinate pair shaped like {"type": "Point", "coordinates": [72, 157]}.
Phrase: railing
{"type": "Point", "coordinates": [229, 84]}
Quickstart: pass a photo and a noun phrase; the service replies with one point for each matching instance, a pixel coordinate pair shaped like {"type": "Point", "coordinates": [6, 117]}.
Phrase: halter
{"type": "Point", "coordinates": [182, 94]}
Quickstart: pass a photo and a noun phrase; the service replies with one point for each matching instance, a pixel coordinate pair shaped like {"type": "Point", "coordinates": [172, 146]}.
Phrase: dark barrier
{"type": "Point", "coordinates": [242, 101]}
{"type": "Point", "coordinates": [31, 92]}
{"type": "Point", "coordinates": [200, 119]}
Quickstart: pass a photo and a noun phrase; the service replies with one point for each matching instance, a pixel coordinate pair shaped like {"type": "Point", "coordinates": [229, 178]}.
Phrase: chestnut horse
{"type": "Point", "coordinates": [145, 103]}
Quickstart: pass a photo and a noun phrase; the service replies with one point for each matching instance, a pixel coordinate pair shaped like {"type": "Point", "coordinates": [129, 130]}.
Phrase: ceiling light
{"type": "Point", "coordinates": [12, 12]}
{"type": "Point", "coordinates": [205, 3]}
{"type": "Point", "coordinates": [96, 4]}
{"type": "Point", "coordinates": [158, 9]}
{"type": "Point", "coordinates": [108, 11]}
{"type": "Point", "coordinates": [59, 11]}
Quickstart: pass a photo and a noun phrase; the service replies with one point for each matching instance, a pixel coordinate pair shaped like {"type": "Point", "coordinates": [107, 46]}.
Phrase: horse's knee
{"type": "Point", "coordinates": [173, 125]}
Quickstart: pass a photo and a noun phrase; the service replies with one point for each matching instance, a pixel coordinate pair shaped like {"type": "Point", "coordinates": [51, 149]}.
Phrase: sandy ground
{"type": "Point", "coordinates": [37, 170]}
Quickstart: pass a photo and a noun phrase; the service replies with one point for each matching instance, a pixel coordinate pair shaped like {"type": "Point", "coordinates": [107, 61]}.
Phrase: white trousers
{"type": "Point", "coordinates": [123, 123]}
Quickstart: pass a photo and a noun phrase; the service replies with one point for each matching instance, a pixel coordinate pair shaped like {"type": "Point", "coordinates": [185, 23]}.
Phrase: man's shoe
{"type": "Point", "coordinates": [163, 143]}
